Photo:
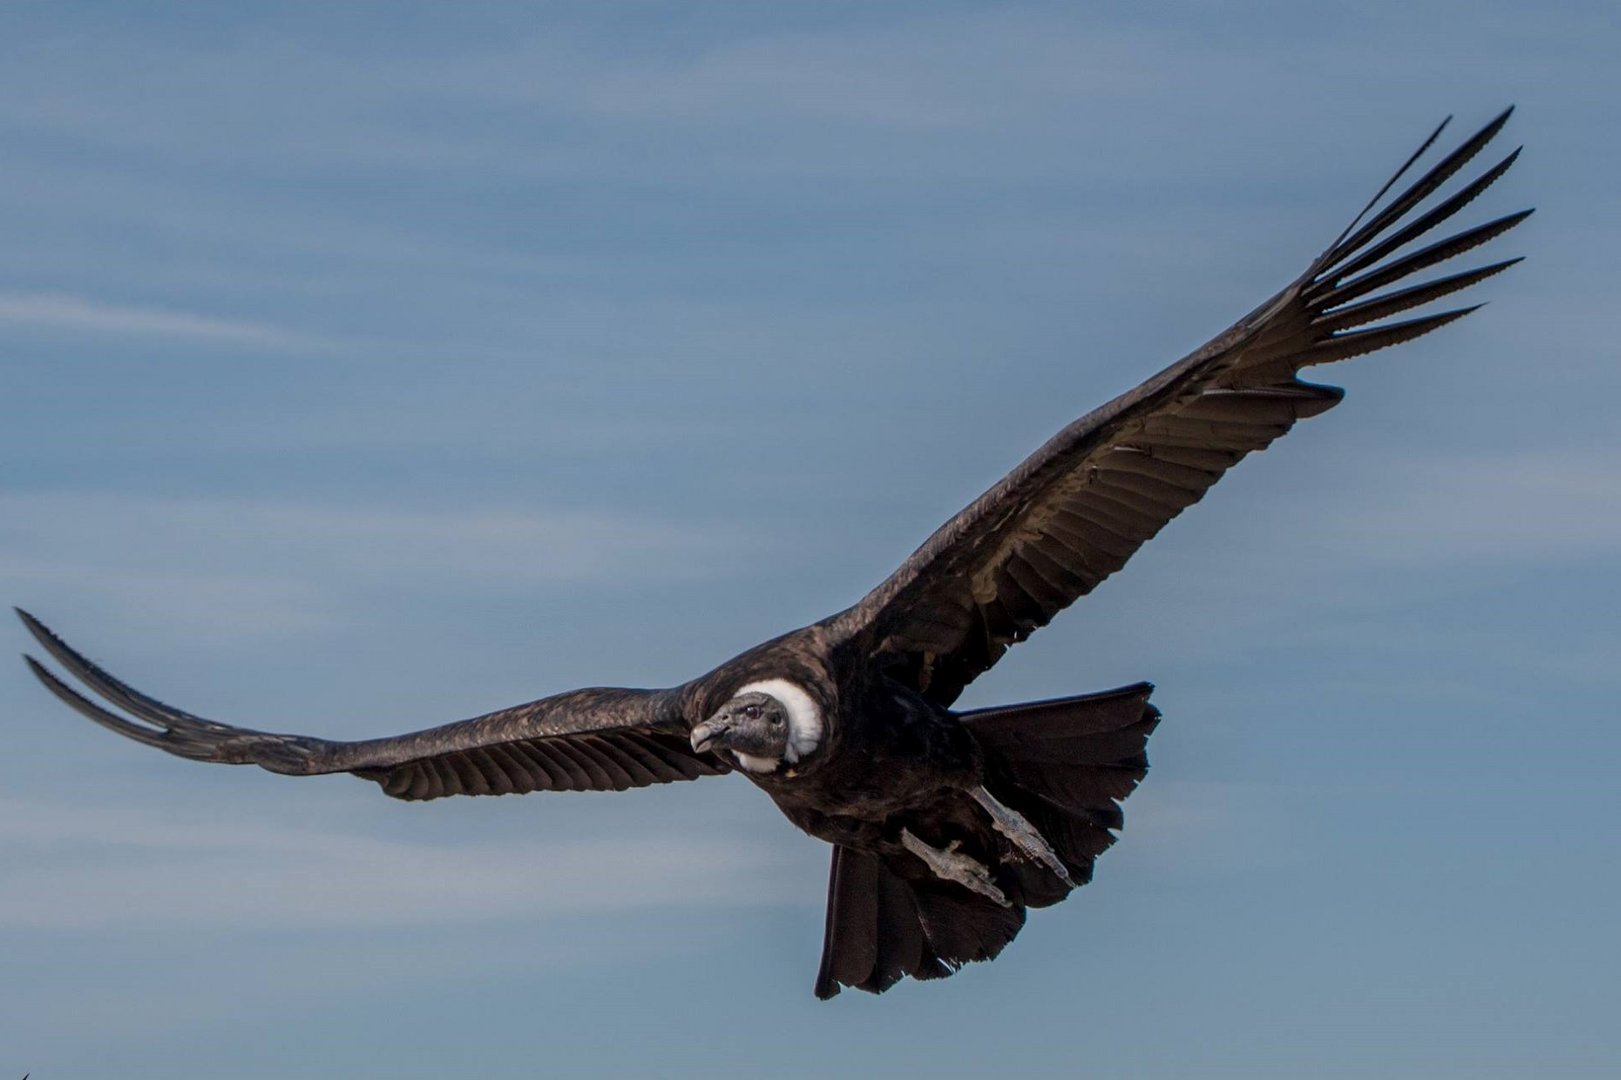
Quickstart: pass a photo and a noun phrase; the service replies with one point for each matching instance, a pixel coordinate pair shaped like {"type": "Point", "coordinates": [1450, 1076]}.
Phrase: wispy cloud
{"type": "Point", "coordinates": [61, 311]}
{"type": "Point", "coordinates": [1538, 507]}
{"type": "Point", "coordinates": [898, 72]}
{"type": "Point", "coordinates": [1198, 828]}
{"type": "Point", "coordinates": [447, 542]}
{"type": "Point", "coordinates": [1543, 505]}
{"type": "Point", "coordinates": [191, 562]}
{"type": "Point", "coordinates": [239, 873]}
{"type": "Point", "coordinates": [904, 74]}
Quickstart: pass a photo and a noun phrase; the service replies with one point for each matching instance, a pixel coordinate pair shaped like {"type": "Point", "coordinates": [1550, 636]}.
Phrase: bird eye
{"type": "Point", "coordinates": [752, 712]}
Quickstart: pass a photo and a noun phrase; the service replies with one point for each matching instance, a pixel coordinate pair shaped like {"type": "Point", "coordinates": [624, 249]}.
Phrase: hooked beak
{"type": "Point", "coordinates": [705, 734]}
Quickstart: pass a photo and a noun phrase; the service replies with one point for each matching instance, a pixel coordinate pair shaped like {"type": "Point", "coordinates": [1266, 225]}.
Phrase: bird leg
{"type": "Point", "coordinates": [953, 866]}
{"type": "Point", "coordinates": [1027, 841]}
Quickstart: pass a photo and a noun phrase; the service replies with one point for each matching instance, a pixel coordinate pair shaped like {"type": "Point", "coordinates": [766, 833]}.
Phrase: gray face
{"type": "Point", "coordinates": [754, 724]}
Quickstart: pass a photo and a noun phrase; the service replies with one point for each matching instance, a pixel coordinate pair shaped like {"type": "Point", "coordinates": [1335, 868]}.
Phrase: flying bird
{"type": "Point", "coordinates": [946, 825]}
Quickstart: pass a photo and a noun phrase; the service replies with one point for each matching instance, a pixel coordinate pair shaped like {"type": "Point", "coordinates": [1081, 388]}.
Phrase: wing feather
{"type": "Point", "coordinates": [585, 740]}
{"type": "Point", "coordinates": [1077, 509]}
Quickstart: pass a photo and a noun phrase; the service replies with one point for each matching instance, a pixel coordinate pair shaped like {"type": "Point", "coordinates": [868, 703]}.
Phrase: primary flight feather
{"type": "Point", "coordinates": [946, 825]}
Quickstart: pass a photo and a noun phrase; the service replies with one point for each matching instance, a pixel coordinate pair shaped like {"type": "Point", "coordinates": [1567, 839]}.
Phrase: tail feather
{"type": "Point", "coordinates": [1065, 765]}
{"type": "Point", "coordinates": [1078, 789]}
{"type": "Point", "coordinates": [1081, 755]}
{"type": "Point", "coordinates": [882, 927]}
{"type": "Point", "coordinates": [1061, 718]}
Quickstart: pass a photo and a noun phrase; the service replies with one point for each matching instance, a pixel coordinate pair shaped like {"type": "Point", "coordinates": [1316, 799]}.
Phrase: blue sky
{"type": "Point", "coordinates": [370, 366]}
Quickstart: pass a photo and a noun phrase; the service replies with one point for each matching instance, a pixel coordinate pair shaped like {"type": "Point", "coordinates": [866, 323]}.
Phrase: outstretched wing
{"type": "Point", "coordinates": [1074, 511]}
{"type": "Point", "coordinates": [586, 740]}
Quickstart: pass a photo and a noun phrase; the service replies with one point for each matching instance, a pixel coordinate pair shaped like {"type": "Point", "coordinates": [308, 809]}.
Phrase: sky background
{"type": "Point", "coordinates": [369, 366]}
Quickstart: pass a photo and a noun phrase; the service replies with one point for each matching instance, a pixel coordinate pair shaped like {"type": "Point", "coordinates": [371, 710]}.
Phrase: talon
{"type": "Point", "coordinates": [1026, 839]}
{"type": "Point", "coordinates": [949, 865]}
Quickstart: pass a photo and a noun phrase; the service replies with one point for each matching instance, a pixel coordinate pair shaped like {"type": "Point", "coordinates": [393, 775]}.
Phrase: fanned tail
{"type": "Point", "coordinates": [1064, 765]}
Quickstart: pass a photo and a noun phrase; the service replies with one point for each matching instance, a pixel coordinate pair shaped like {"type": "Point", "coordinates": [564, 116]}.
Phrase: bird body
{"type": "Point", "coordinates": [946, 825]}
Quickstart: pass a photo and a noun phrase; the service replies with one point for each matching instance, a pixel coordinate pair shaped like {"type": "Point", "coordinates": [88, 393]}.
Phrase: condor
{"type": "Point", "coordinates": [946, 826]}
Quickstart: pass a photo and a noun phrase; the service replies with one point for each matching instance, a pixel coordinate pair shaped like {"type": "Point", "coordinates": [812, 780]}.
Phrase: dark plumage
{"type": "Point", "coordinates": [946, 825]}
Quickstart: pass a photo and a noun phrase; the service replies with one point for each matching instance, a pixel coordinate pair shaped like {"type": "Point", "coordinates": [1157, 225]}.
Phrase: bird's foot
{"type": "Point", "coordinates": [1027, 841]}
{"type": "Point", "coordinates": [954, 866]}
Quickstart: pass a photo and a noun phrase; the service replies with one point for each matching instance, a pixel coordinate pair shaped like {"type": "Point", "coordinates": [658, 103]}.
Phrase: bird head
{"type": "Point", "coordinates": [753, 726]}
{"type": "Point", "coordinates": [763, 725]}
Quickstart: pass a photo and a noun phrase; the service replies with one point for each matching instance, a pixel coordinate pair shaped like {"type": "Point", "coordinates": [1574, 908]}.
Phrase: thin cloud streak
{"type": "Point", "coordinates": [239, 873]}
{"type": "Point", "coordinates": [1541, 506]}
{"type": "Point", "coordinates": [448, 543]}
{"type": "Point", "coordinates": [61, 311]}
{"type": "Point", "coordinates": [898, 75]}
{"type": "Point", "coordinates": [193, 566]}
